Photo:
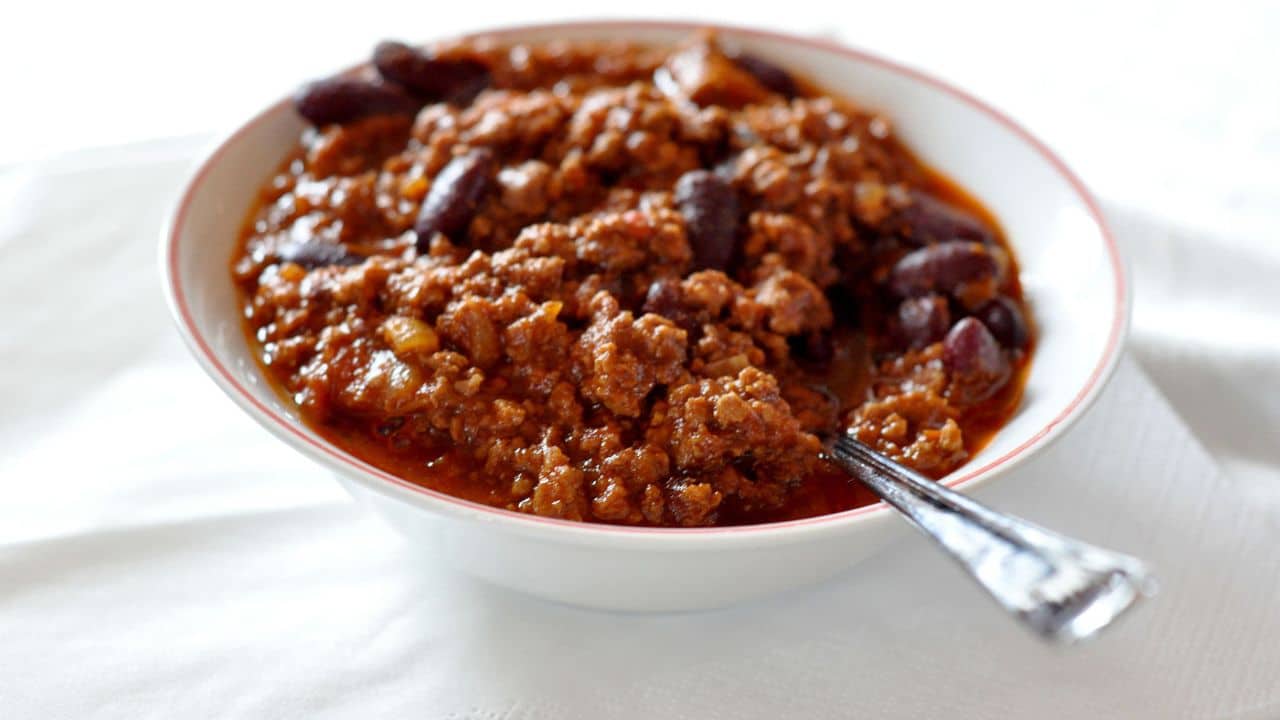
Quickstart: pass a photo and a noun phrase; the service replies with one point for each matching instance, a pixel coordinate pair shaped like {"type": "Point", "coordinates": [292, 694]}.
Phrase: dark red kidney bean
{"type": "Point", "coordinates": [405, 65]}
{"type": "Point", "coordinates": [923, 320]}
{"type": "Point", "coordinates": [454, 196]}
{"type": "Point", "coordinates": [316, 253]}
{"type": "Point", "coordinates": [665, 298]}
{"type": "Point", "coordinates": [1005, 320]}
{"type": "Point", "coordinates": [341, 100]}
{"type": "Point", "coordinates": [431, 78]}
{"type": "Point", "coordinates": [942, 267]}
{"type": "Point", "coordinates": [469, 80]}
{"type": "Point", "coordinates": [928, 219]}
{"type": "Point", "coordinates": [978, 366]}
{"type": "Point", "coordinates": [709, 205]}
{"type": "Point", "coordinates": [767, 74]}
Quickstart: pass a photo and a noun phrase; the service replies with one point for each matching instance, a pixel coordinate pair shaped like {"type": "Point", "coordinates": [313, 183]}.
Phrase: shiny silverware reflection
{"type": "Point", "coordinates": [1063, 589]}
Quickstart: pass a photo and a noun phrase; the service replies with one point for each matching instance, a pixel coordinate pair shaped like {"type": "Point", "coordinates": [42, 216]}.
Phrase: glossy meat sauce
{"type": "Point", "coordinates": [625, 284]}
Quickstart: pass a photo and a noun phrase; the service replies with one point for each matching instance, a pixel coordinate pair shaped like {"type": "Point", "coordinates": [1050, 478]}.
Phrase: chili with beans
{"type": "Point", "coordinates": [625, 284]}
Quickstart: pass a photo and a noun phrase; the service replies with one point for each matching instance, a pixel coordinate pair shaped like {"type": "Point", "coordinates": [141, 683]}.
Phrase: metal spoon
{"type": "Point", "coordinates": [1061, 588]}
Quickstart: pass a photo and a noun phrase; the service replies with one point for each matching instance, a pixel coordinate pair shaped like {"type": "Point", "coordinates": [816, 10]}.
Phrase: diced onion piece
{"type": "Point", "coordinates": [409, 336]}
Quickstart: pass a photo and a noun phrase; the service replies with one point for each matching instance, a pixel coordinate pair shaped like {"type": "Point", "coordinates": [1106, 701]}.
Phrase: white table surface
{"type": "Point", "coordinates": [160, 556]}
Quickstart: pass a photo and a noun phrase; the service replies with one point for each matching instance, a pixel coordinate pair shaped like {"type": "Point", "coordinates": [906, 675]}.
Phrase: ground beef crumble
{"type": "Point", "coordinates": [566, 353]}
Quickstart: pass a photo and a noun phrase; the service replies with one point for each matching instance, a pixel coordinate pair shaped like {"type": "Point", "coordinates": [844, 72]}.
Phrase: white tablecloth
{"type": "Point", "coordinates": [161, 556]}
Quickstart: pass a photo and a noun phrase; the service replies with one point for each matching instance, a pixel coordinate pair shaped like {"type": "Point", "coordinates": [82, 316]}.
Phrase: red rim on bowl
{"type": "Point", "coordinates": [277, 422]}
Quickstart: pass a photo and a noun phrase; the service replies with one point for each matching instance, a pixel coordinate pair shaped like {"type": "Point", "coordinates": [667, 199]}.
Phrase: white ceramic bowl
{"type": "Point", "coordinates": [1071, 271]}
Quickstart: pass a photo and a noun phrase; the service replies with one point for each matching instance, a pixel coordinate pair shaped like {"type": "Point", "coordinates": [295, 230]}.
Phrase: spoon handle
{"type": "Point", "coordinates": [1063, 589]}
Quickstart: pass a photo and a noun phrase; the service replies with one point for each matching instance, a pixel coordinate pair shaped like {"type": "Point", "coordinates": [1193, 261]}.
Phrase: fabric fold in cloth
{"type": "Point", "coordinates": [1204, 327]}
{"type": "Point", "coordinates": [161, 555]}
